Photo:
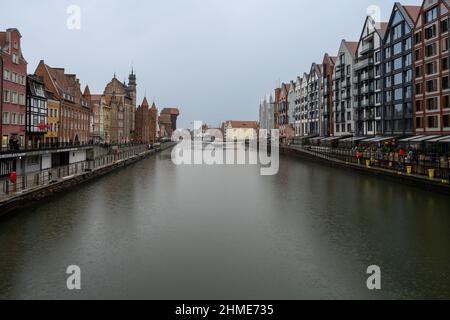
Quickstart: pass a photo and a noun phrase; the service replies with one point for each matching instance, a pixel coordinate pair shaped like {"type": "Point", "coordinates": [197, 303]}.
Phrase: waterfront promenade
{"type": "Point", "coordinates": [419, 170]}
{"type": "Point", "coordinates": [38, 185]}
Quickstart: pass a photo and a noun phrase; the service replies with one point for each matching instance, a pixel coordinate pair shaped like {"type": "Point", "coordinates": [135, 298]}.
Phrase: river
{"type": "Point", "coordinates": [158, 231]}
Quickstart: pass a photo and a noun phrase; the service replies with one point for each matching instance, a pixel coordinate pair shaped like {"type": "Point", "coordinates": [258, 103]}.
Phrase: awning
{"type": "Point", "coordinates": [382, 139]}
{"type": "Point", "coordinates": [439, 139]}
{"type": "Point", "coordinates": [353, 139]}
{"type": "Point", "coordinates": [373, 139]}
{"type": "Point", "coordinates": [446, 140]}
{"type": "Point", "coordinates": [330, 139]}
{"type": "Point", "coordinates": [424, 138]}
{"type": "Point", "coordinates": [411, 138]}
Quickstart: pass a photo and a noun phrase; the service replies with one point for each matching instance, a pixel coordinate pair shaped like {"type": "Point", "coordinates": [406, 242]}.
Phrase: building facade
{"type": "Point", "coordinates": [168, 122]}
{"type": "Point", "coordinates": [398, 71]}
{"type": "Point", "coordinates": [368, 79]}
{"type": "Point", "coordinates": [13, 90]}
{"type": "Point", "coordinates": [431, 65]}
{"type": "Point", "coordinates": [36, 120]}
{"type": "Point", "coordinates": [74, 108]}
{"type": "Point", "coordinates": [343, 86]}
{"type": "Point", "coordinates": [313, 126]}
{"type": "Point", "coordinates": [266, 113]}
{"type": "Point", "coordinates": [327, 95]}
{"type": "Point", "coordinates": [240, 130]}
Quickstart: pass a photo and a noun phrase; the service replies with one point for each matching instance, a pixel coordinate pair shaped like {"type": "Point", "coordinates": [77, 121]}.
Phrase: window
{"type": "Point", "coordinates": [432, 122]}
{"type": "Point", "coordinates": [430, 50]}
{"type": "Point", "coordinates": [431, 68]}
{"type": "Point", "coordinates": [419, 106]}
{"type": "Point", "coordinates": [417, 54]}
{"type": "Point", "coordinates": [432, 104]}
{"type": "Point", "coordinates": [22, 119]}
{"type": "Point", "coordinates": [408, 44]}
{"type": "Point", "coordinates": [431, 85]}
{"type": "Point", "coordinates": [419, 122]}
{"type": "Point", "coordinates": [418, 72]}
{"type": "Point", "coordinates": [398, 63]}
{"type": "Point", "coordinates": [15, 58]}
{"type": "Point", "coordinates": [445, 83]}
{"type": "Point", "coordinates": [444, 26]}
{"type": "Point", "coordinates": [13, 118]}
{"type": "Point", "coordinates": [397, 32]}
{"type": "Point", "coordinates": [445, 44]}
{"type": "Point", "coordinates": [445, 64]}
{"type": "Point", "coordinates": [388, 68]}
{"type": "Point", "coordinates": [398, 94]}
{"type": "Point", "coordinates": [6, 74]}
{"type": "Point", "coordinates": [445, 100]}
{"type": "Point", "coordinates": [22, 99]}
{"type": "Point", "coordinates": [431, 15]}
{"type": "Point", "coordinates": [430, 32]}
{"type": "Point", "coordinates": [397, 48]}
{"type": "Point", "coordinates": [418, 37]}
{"type": "Point", "coordinates": [398, 79]}
{"type": "Point", "coordinates": [408, 92]}
{"type": "Point", "coordinates": [377, 56]}
{"type": "Point", "coordinates": [5, 118]}
{"type": "Point", "coordinates": [14, 98]}
{"type": "Point", "coordinates": [446, 121]}
{"type": "Point", "coordinates": [408, 60]}
{"type": "Point", "coordinates": [408, 76]}
{"type": "Point", "coordinates": [387, 53]}
{"type": "Point", "coordinates": [6, 96]}
{"type": "Point", "coordinates": [418, 88]}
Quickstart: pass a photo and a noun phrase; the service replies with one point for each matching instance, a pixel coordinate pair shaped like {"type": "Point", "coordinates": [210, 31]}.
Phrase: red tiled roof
{"type": "Point", "coordinates": [353, 46]}
{"type": "Point", "coordinates": [243, 124]}
{"type": "Point", "coordinates": [413, 12]}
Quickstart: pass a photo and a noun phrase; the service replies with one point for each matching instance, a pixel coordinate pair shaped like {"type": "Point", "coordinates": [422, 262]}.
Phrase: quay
{"type": "Point", "coordinates": [37, 186]}
{"type": "Point", "coordinates": [424, 173]}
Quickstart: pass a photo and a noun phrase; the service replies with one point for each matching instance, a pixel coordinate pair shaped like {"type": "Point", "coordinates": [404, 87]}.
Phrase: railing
{"type": "Point", "coordinates": [47, 177]}
{"type": "Point", "coordinates": [411, 164]}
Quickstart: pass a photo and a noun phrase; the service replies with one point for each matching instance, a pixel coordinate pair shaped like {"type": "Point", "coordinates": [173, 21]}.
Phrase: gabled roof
{"type": "Point", "coordinates": [379, 27]}
{"type": "Point", "coordinates": [413, 12]}
{"type": "Point", "coordinates": [242, 124]}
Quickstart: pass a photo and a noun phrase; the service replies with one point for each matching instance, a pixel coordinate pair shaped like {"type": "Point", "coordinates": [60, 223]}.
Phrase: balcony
{"type": "Point", "coordinates": [366, 103]}
{"type": "Point", "coordinates": [363, 64]}
{"type": "Point", "coordinates": [366, 89]}
{"type": "Point", "coordinates": [366, 76]}
{"type": "Point", "coordinates": [346, 94]}
{"type": "Point", "coordinates": [366, 48]}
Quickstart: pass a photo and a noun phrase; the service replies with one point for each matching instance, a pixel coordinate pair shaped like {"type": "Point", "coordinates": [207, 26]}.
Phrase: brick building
{"type": "Point", "coordinates": [75, 111]}
{"type": "Point", "coordinates": [168, 122]}
{"type": "Point", "coordinates": [431, 69]}
{"type": "Point", "coordinates": [14, 89]}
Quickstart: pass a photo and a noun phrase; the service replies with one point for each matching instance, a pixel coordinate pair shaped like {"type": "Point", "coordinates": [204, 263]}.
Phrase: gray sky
{"type": "Point", "coordinates": [214, 59]}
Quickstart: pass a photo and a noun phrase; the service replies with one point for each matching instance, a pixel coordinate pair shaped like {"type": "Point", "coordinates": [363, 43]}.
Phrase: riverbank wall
{"type": "Point", "coordinates": [435, 185]}
{"type": "Point", "coordinates": [28, 198]}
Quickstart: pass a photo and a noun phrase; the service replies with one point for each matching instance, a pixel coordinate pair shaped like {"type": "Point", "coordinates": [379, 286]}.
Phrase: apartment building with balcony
{"type": "Point", "coordinates": [327, 95]}
{"type": "Point", "coordinates": [368, 71]}
{"type": "Point", "coordinates": [431, 69]}
{"type": "Point", "coordinates": [297, 116]}
{"type": "Point", "coordinates": [398, 71]}
{"type": "Point", "coordinates": [36, 121]}
{"type": "Point", "coordinates": [313, 114]}
{"type": "Point", "coordinates": [343, 86]}
{"type": "Point", "coordinates": [283, 110]}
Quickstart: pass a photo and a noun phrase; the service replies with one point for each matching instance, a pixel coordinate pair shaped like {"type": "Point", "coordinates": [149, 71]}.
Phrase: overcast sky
{"type": "Point", "coordinates": [214, 59]}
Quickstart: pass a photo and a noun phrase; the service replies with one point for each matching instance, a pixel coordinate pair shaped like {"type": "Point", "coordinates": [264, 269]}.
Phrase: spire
{"type": "Point", "coordinates": [145, 102]}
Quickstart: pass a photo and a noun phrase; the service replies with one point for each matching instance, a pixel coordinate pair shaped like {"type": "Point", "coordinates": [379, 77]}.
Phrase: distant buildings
{"type": "Point", "coordinates": [168, 122]}
{"type": "Point", "coordinates": [240, 130]}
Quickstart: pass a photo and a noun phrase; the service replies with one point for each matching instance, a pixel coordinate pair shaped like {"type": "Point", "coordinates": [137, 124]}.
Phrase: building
{"type": "Point", "coordinates": [36, 120]}
{"type": "Point", "coordinates": [142, 125]}
{"type": "Point", "coordinates": [282, 108]}
{"type": "Point", "coordinates": [297, 114]}
{"type": "Point", "coordinates": [343, 86]}
{"type": "Point", "coordinates": [327, 95]}
{"type": "Point", "coordinates": [240, 130]}
{"type": "Point", "coordinates": [168, 122]}
{"type": "Point", "coordinates": [398, 71]}
{"type": "Point", "coordinates": [51, 137]}
{"type": "Point", "coordinates": [276, 102]}
{"type": "Point", "coordinates": [153, 124]}
{"type": "Point", "coordinates": [74, 108]}
{"type": "Point", "coordinates": [120, 98]}
{"type": "Point", "coordinates": [14, 90]}
{"type": "Point", "coordinates": [303, 106]}
{"type": "Point", "coordinates": [431, 64]}
{"type": "Point", "coordinates": [97, 118]}
{"type": "Point", "coordinates": [290, 128]}
{"type": "Point", "coordinates": [368, 79]}
{"type": "Point", "coordinates": [313, 116]}
{"type": "Point", "coordinates": [266, 113]}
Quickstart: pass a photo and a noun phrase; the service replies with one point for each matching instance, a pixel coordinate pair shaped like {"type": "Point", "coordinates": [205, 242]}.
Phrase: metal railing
{"type": "Point", "coordinates": [409, 164]}
{"type": "Point", "coordinates": [47, 177]}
